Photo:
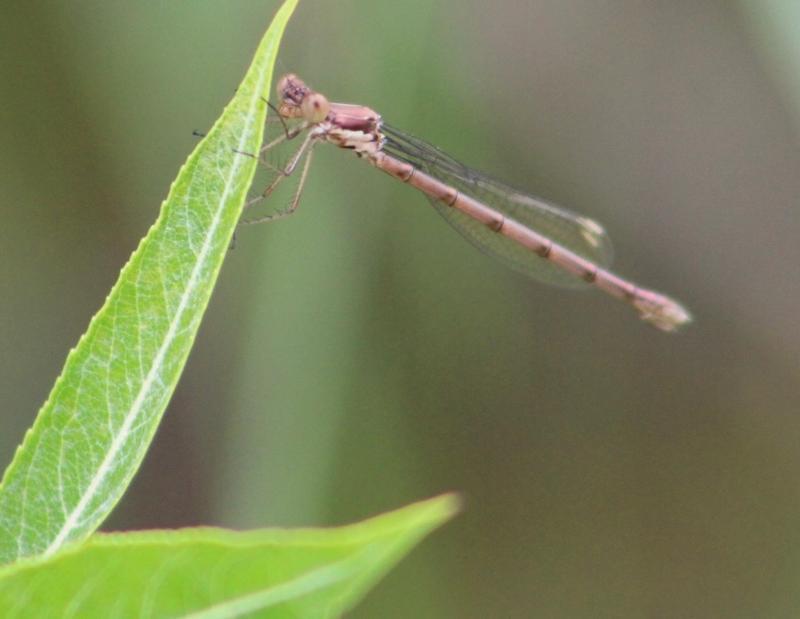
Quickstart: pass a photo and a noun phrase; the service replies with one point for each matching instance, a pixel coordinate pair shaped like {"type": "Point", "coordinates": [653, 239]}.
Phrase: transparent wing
{"type": "Point", "coordinates": [581, 235]}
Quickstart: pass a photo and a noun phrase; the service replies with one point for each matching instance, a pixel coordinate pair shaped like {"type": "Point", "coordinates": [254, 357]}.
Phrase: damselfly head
{"type": "Point", "coordinates": [292, 90]}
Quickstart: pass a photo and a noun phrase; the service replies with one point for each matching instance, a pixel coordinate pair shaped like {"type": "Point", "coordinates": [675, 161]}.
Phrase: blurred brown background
{"type": "Point", "coordinates": [360, 355]}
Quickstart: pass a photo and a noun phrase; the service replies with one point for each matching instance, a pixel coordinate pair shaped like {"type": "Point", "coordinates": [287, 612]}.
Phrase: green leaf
{"type": "Point", "coordinates": [217, 573]}
{"type": "Point", "coordinates": [92, 433]}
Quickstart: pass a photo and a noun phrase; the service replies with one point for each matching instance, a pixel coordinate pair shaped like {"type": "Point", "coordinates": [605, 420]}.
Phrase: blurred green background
{"type": "Point", "coordinates": [360, 355]}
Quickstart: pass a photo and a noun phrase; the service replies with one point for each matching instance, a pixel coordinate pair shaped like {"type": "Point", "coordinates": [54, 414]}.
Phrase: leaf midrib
{"type": "Point", "coordinates": [106, 466]}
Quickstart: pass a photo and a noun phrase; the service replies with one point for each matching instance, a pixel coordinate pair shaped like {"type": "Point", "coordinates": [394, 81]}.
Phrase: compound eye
{"type": "Point", "coordinates": [284, 84]}
{"type": "Point", "coordinates": [315, 107]}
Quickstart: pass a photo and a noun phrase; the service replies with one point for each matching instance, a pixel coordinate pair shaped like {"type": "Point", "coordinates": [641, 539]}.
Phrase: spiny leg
{"type": "Point", "coordinates": [282, 173]}
{"type": "Point", "coordinates": [288, 134]}
{"type": "Point", "coordinates": [279, 116]}
{"type": "Point", "coordinates": [295, 201]}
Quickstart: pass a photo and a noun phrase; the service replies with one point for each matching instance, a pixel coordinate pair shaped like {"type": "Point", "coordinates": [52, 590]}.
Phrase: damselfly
{"type": "Point", "coordinates": [530, 235]}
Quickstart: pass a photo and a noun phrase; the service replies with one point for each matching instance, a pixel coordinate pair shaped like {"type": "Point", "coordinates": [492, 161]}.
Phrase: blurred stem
{"type": "Point", "coordinates": [775, 25]}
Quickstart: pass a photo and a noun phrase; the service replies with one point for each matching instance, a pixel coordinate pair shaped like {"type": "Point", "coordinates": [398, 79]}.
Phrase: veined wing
{"type": "Point", "coordinates": [579, 234]}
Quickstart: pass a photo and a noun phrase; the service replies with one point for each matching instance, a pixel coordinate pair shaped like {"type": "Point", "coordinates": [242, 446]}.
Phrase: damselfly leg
{"type": "Point", "coordinates": [279, 159]}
